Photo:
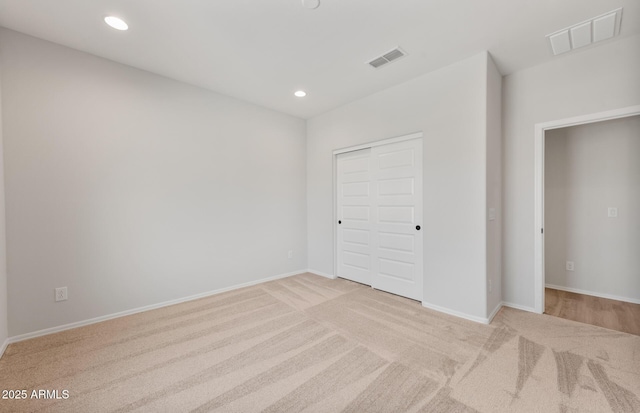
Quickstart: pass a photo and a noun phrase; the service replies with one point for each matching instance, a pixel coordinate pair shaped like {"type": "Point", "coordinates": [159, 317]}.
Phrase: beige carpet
{"type": "Point", "coordinates": [307, 343]}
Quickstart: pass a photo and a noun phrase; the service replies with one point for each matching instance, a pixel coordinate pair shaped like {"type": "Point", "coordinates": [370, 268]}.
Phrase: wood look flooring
{"type": "Point", "coordinates": [602, 312]}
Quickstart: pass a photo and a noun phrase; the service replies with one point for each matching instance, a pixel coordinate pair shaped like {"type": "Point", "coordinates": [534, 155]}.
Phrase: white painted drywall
{"type": "Point", "coordinates": [555, 203]}
{"type": "Point", "coordinates": [494, 186]}
{"type": "Point", "coordinates": [589, 168]}
{"type": "Point", "coordinates": [4, 318]}
{"type": "Point", "coordinates": [448, 106]}
{"type": "Point", "coordinates": [132, 189]}
{"type": "Point", "coordinates": [578, 83]}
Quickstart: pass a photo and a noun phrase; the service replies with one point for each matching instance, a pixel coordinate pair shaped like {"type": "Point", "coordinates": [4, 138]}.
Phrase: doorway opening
{"type": "Point", "coordinates": [587, 233]}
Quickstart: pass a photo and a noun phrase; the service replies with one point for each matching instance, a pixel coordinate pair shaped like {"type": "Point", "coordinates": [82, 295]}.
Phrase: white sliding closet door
{"type": "Point", "coordinates": [397, 201]}
{"type": "Point", "coordinates": [354, 210]}
{"type": "Point", "coordinates": [380, 216]}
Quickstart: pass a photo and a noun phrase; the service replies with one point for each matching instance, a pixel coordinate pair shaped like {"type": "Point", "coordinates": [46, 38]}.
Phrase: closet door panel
{"type": "Point", "coordinates": [397, 202]}
{"type": "Point", "coordinates": [354, 211]}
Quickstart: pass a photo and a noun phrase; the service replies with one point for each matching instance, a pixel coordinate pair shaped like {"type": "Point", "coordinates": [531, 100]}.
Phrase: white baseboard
{"type": "Point", "coordinates": [322, 274]}
{"type": "Point", "coordinates": [77, 324]}
{"type": "Point", "coordinates": [595, 294]}
{"type": "Point", "coordinates": [519, 307]}
{"type": "Point", "coordinates": [455, 313]}
{"type": "Point", "coordinates": [3, 347]}
{"type": "Point", "coordinates": [493, 313]}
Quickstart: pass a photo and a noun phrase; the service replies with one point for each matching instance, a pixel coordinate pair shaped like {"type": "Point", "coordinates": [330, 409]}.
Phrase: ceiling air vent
{"type": "Point", "coordinates": [599, 28]}
{"type": "Point", "coordinates": [388, 57]}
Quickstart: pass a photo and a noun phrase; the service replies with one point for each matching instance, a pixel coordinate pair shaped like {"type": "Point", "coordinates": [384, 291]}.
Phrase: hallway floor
{"type": "Point", "coordinates": [603, 312]}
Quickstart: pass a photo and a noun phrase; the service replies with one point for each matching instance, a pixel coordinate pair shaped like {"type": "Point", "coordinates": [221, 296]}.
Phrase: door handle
{"type": "Point", "coordinates": [418, 227]}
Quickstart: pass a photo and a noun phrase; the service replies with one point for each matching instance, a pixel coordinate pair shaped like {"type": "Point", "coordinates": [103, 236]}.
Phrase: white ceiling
{"type": "Point", "coordinates": [262, 51]}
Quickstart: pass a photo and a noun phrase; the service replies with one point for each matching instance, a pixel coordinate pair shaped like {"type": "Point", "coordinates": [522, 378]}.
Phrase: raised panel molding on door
{"type": "Point", "coordinates": [379, 216]}
{"type": "Point", "coordinates": [354, 212]}
{"type": "Point", "coordinates": [397, 198]}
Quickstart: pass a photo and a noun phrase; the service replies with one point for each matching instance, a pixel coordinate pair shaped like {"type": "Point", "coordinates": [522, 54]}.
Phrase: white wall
{"type": "Point", "coordinates": [494, 187]}
{"type": "Point", "coordinates": [555, 236]}
{"type": "Point", "coordinates": [589, 168]}
{"type": "Point", "coordinates": [449, 106]}
{"type": "Point", "coordinates": [133, 189]}
{"type": "Point", "coordinates": [590, 81]}
{"type": "Point", "coordinates": [4, 332]}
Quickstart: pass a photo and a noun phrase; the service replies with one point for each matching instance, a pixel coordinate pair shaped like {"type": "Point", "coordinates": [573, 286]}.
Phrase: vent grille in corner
{"type": "Point", "coordinates": [388, 57]}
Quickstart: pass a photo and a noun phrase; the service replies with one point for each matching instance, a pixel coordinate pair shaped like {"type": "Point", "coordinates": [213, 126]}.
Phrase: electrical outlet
{"type": "Point", "coordinates": [290, 254]}
{"type": "Point", "coordinates": [570, 266]}
{"type": "Point", "coordinates": [612, 212]}
{"type": "Point", "coordinates": [61, 294]}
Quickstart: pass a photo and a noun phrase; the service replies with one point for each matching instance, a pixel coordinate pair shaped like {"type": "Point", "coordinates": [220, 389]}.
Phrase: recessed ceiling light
{"type": "Point", "coordinates": [116, 22]}
{"type": "Point", "coordinates": [300, 93]}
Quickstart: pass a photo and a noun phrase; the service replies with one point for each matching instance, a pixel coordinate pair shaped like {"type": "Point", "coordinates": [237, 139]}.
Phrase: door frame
{"type": "Point", "coordinates": [540, 129]}
{"type": "Point", "coordinates": [336, 152]}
